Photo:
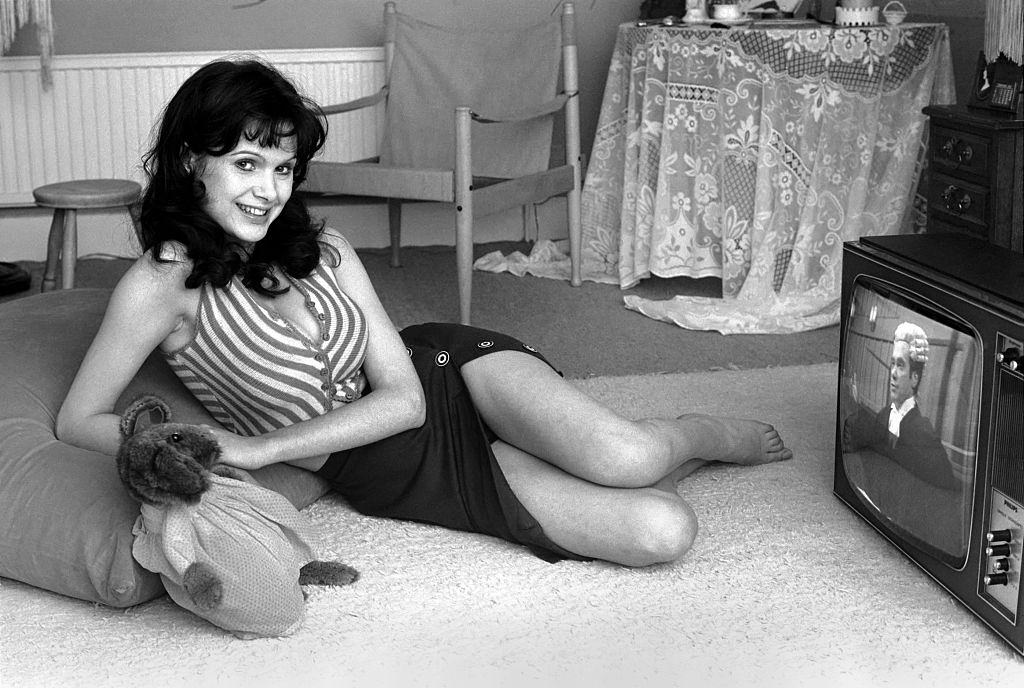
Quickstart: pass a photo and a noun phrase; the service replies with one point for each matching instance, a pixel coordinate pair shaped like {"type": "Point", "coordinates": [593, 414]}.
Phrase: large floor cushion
{"type": "Point", "coordinates": [65, 519]}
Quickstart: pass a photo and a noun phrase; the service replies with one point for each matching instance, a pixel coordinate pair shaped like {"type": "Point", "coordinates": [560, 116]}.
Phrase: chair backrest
{"type": "Point", "coordinates": [435, 69]}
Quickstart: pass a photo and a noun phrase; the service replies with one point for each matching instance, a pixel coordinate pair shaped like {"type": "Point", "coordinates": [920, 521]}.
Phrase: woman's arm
{"type": "Point", "coordinates": [149, 304]}
{"type": "Point", "coordinates": [395, 404]}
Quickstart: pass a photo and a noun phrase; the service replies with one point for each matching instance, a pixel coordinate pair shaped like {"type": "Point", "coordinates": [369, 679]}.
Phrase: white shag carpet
{"type": "Point", "coordinates": [783, 587]}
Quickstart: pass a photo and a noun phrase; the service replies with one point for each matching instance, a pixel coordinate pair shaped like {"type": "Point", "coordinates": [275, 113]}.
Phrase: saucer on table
{"type": "Point", "coordinates": [736, 21]}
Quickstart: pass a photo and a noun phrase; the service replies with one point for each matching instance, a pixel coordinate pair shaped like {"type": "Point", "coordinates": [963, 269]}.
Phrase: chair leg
{"type": "Point", "coordinates": [69, 253]}
{"type": "Point", "coordinates": [463, 212]}
{"type": "Point", "coordinates": [570, 76]}
{"type": "Point", "coordinates": [395, 227]}
{"type": "Point", "coordinates": [135, 212]}
{"type": "Point", "coordinates": [464, 257]}
{"type": "Point", "coordinates": [572, 201]}
{"type": "Point", "coordinates": [530, 222]}
{"type": "Point", "coordinates": [53, 246]}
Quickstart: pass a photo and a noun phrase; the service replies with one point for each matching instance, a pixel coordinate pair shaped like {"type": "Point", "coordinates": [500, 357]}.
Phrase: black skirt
{"type": "Point", "coordinates": [443, 472]}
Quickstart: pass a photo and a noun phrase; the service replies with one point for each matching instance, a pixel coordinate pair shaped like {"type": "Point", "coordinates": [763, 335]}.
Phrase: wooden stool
{"type": "Point", "coordinates": [67, 198]}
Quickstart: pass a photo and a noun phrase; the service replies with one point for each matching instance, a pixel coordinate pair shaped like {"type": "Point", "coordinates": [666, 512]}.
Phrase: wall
{"type": "Point", "coordinates": [966, 21]}
{"type": "Point", "coordinates": [115, 26]}
{"type": "Point", "coordinates": [118, 26]}
{"type": "Point", "coordinates": [124, 26]}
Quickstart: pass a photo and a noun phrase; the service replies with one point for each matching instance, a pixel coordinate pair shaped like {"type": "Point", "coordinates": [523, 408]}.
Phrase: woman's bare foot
{"type": "Point", "coordinates": [733, 440]}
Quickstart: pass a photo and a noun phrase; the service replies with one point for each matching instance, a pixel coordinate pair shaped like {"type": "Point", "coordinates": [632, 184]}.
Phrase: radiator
{"type": "Point", "coordinates": [97, 118]}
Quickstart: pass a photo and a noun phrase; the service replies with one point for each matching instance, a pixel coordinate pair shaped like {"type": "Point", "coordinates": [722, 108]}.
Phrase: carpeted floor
{"type": "Point", "coordinates": [584, 331]}
{"type": "Point", "coordinates": [784, 587]}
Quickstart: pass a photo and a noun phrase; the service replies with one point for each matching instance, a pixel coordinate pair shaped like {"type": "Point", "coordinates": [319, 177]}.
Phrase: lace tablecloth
{"type": "Point", "coordinates": [752, 154]}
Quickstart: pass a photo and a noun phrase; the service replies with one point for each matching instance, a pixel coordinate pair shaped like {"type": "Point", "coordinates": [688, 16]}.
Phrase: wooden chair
{"type": "Point", "coordinates": [462, 128]}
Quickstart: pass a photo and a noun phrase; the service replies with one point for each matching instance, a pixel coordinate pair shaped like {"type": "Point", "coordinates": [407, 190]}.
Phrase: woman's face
{"type": "Point", "coordinates": [247, 187]}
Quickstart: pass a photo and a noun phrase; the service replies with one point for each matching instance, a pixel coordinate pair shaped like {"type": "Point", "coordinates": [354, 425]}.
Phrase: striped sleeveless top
{"type": "Point", "coordinates": [255, 372]}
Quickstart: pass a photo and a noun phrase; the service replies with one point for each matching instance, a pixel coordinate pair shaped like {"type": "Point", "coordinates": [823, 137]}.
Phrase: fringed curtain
{"type": "Point", "coordinates": [1004, 30]}
{"type": "Point", "coordinates": [15, 14]}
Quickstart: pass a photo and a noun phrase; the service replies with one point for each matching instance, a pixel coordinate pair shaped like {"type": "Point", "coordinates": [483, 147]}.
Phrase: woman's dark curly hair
{"type": "Point", "coordinates": [212, 110]}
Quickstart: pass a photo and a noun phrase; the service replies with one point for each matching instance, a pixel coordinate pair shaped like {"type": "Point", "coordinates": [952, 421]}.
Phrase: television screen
{"type": "Point", "coordinates": [909, 404]}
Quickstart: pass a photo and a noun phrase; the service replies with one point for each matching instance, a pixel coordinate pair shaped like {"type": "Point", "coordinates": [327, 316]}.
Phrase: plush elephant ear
{"type": "Point", "coordinates": [144, 412]}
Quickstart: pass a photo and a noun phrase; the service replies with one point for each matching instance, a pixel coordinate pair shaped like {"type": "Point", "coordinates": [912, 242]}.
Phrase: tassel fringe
{"type": "Point", "coordinates": [1004, 30]}
{"type": "Point", "coordinates": [15, 14]}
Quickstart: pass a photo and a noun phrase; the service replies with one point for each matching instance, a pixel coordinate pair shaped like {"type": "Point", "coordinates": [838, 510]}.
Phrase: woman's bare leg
{"type": "Point", "coordinates": [531, 407]}
{"type": "Point", "coordinates": [630, 526]}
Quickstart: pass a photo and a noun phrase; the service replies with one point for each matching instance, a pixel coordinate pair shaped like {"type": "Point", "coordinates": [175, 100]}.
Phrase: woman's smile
{"type": "Point", "coordinates": [251, 210]}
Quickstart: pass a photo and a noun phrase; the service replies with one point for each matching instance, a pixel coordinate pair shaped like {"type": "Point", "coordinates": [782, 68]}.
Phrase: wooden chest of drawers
{"type": "Point", "coordinates": [976, 174]}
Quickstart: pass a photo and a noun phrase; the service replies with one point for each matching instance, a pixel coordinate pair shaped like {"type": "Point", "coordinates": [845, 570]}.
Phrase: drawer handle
{"type": "Point", "coordinates": [964, 153]}
{"type": "Point", "coordinates": [957, 150]}
{"type": "Point", "coordinates": [957, 200]}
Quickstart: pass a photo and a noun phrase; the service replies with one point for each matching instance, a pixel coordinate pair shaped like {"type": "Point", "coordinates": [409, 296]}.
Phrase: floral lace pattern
{"type": "Point", "coordinates": [752, 154]}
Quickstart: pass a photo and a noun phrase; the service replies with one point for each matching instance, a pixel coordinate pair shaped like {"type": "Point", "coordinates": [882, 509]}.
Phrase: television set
{"type": "Point", "coordinates": [930, 411]}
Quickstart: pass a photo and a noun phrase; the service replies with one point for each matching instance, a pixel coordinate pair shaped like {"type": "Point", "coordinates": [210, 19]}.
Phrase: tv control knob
{"type": "Point", "coordinates": [1000, 550]}
{"type": "Point", "coordinates": [1001, 565]}
{"type": "Point", "coordinates": [1011, 358]}
{"type": "Point", "coordinates": [996, 579]}
{"type": "Point", "coordinates": [999, 536]}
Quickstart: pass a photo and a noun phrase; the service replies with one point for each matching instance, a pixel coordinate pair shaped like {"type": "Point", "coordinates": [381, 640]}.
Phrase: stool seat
{"type": "Point", "coordinates": [87, 193]}
{"type": "Point", "coordinates": [66, 199]}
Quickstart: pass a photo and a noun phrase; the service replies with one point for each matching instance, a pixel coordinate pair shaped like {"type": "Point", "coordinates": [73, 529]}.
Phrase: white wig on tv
{"type": "Point", "coordinates": [916, 340]}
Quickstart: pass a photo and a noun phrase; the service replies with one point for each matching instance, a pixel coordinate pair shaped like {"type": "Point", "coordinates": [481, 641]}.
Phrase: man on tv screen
{"type": "Point", "coordinates": [899, 430]}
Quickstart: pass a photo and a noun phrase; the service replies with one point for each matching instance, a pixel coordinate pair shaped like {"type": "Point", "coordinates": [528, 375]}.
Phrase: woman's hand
{"type": "Point", "coordinates": [250, 453]}
{"type": "Point", "coordinates": [237, 450]}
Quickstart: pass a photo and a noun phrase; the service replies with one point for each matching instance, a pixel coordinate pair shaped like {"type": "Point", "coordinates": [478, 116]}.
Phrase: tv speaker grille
{"type": "Point", "coordinates": [1008, 435]}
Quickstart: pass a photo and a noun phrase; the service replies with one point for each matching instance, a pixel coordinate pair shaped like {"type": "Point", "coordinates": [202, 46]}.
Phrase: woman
{"type": "Point", "coordinates": [272, 322]}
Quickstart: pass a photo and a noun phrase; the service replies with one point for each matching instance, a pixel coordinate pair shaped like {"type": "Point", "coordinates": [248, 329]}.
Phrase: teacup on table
{"type": "Point", "coordinates": [727, 12]}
